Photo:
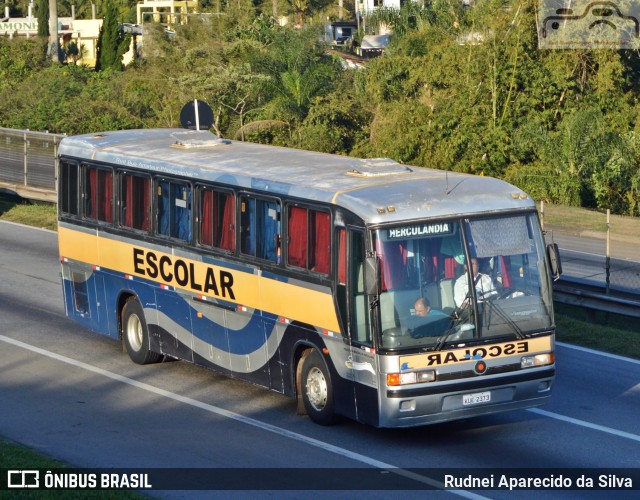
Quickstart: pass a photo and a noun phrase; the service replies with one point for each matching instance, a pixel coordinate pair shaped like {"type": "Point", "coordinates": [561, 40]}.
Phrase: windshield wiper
{"type": "Point", "coordinates": [459, 330]}
{"type": "Point", "coordinates": [500, 311]}
{"type": "Point", "coordinates": [458, 324]}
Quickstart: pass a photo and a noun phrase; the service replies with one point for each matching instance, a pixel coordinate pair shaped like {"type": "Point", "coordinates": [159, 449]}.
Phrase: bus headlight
{"type": "Point", "coordinates": [394, 379]}
{"type": "Point", "coordinates": [537, 360]}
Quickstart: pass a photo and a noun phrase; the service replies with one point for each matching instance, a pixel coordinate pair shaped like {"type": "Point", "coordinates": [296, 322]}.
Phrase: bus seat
{"type": "Point", "coordinates": [396, 305]}
{"type": "Point", "coordinates": [432, 293]}
{"type": "Point", "coordinates": [447, 302]}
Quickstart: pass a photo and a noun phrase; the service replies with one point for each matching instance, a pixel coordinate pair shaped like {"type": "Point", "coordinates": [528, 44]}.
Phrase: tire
{"type": "Point", "coordinates": [135, 334]}
{"type": "Point", "coordinates": [317, 390]}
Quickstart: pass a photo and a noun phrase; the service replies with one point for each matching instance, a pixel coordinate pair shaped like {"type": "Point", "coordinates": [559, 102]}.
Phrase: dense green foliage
{"type": "Point", "coordinates": [111, 43]}
{"type": "Point", "coordinates": [460, 89]}
{"type": "Point", "coordinates": [42, 13]}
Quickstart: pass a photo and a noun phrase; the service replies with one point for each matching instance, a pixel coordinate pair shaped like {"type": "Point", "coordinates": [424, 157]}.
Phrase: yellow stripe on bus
{"type": "Point", "coordinates": [251, 290]}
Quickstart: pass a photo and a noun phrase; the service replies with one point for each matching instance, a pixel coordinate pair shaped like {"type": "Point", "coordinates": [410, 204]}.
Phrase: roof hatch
{"type": "Point", "coordinates": [198, 139]}
{"type": "Point", "coordinates": [377, 167]}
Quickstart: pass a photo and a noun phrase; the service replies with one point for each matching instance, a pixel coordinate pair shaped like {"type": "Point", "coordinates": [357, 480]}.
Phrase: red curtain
{"type": "Point", "coordinates": [137, 203]}
{"type": "Point", "coordinates": [146, 204]}
{"type": "Point", "coordinates": [342, 256]}
{"type": "Point", "coordinates": [227, 238]}
{"type": "Point", "coordinates": [105, 207]}
{"type": "Point", "coordinates": [206, 224]}
{"type": "Point", "coordinates": [298, 237]}
{"type": "Point", "coordinates": [128, 201]}
{"type": "Point", "coordinates": [450, 265]}
{"type": "Point", "coordinates": [92, 202]}
{"type": "Point", "coordinates": [320, 250]}
{"type": "Point", "coordinates": [505, 263]}
{"type": "Point", "coordinates": [393, 260]}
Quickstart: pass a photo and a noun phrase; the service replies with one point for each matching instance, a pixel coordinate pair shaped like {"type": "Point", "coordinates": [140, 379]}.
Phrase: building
{"type": "Point", "coordinates": [368, 6]}
{"type": "Point", "coordinates": [167, 12]}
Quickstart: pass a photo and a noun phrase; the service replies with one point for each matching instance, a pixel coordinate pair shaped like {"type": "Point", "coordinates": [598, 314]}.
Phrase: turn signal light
{"type": "Point", "coordinates": [395, 379]}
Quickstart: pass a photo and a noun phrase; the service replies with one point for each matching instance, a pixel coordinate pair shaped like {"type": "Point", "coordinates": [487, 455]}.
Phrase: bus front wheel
{"type": "Point", "coordinates": [317, 391]}
{"type": "Point", "coordinates": [135, 334]}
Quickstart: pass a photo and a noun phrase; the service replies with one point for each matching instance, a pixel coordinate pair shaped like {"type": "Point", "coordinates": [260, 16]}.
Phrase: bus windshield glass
{"type": "Point", "coordinates": [458, 280]}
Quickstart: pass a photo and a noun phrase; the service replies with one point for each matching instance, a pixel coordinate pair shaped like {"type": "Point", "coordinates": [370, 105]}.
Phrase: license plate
{"type": "Point", "coordinates": [476, 398]}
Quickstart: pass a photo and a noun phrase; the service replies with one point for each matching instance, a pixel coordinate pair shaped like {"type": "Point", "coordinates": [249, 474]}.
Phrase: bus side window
{"type": "Point", "coordinates": [135, 201]}
{"type": "Point", "coordinates": [98, 194]}
{"type": "Point", "coordinates": [260, 228]}
{"type": "Point", "coordinates": [309, 234]}
{"type": "Point", "coordinates": [174, 210]}
{"type": "Point", "coordinates": [217, 219]}
{"type": "Point", "coordinates": [68, 188]}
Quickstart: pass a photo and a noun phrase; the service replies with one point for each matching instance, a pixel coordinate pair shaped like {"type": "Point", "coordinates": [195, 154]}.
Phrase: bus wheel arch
{"type": "Point", "coordinates": [315, 387]}
{"type": "Point", "coordinates": [135, 333]}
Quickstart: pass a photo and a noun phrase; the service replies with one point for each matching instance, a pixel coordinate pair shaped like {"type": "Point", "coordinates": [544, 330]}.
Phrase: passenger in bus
{"type": "Point", "coordinates": [484, 285]}
{"type": "Point", "coordinates": [427, 322]}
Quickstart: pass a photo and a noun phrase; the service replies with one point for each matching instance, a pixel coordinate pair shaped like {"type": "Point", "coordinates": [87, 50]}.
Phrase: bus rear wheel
{"type": "Point", "coordinates": [135, 334]}
{"type": "Point", "coordinates": [317, 390]}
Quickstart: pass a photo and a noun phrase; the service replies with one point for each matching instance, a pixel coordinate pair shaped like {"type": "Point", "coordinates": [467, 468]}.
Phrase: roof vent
{"type": "Point", "coordinates": [198, 139]}
{"type": "Point", "coordinates": [377, 167]}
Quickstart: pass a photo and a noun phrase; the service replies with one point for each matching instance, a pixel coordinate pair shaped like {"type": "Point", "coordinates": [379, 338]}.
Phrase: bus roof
{"type": "Point", "coordinates": [378, 190]}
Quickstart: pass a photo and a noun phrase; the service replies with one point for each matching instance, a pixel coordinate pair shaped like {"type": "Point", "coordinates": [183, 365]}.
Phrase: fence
{"type": "Point", "coordinates": [28, 164]}
{"type": "Point", "coordinates": [597, 248]}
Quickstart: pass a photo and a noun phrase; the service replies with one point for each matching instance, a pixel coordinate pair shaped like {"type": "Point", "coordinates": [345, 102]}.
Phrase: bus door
{"type": "Point", "coordinates": [355, 308]}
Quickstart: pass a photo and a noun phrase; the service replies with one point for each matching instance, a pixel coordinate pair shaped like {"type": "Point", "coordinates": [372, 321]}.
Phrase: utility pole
{"type": "Point", "coordinates": [52, 49]}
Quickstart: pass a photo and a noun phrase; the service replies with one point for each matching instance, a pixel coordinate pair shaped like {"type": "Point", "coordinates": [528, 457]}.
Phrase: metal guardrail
{"type": "Point", "coordinates": [579, 292]}
{"type": "Point", "coordinates": [28, 165]}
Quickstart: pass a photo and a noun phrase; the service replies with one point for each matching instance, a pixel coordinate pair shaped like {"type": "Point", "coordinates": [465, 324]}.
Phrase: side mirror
{"type": "Point", "coordinates": [553, 253]}
{"type": "Point", "coordinates": [372, 276]}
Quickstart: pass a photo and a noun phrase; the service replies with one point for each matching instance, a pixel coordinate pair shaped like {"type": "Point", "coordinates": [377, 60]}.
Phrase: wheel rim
{"type": "Point", "coordinates": [317, 389]}
{"type": "Point", "coordinates": [134, 332]}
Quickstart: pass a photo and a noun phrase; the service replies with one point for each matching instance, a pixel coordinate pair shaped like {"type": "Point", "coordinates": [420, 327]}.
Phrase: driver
{"type": "Point", "coordinates": [484, 285]}
{"type": "Point", "coordinates": [427, 322]}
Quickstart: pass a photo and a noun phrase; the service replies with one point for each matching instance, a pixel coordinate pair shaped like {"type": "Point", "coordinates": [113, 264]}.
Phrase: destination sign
{"type": "Point", "coordinates": [418, 230]}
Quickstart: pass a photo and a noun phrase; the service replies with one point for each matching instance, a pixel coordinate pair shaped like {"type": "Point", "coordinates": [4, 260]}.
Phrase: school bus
{"type": "Point", "coordinates": [310, 274]}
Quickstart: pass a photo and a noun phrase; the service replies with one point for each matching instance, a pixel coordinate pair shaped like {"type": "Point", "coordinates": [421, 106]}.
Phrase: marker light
{"type": "Point", "coordinates": [537, 360]}
{"type": "Point", "coordinates": [395, 379]}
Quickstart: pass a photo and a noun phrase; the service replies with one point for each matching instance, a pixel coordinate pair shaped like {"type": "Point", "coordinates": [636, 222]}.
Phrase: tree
{"type": "Point", "coordinates": [112, 44]}
{"type": "Point", "coordinates": [42, 13]}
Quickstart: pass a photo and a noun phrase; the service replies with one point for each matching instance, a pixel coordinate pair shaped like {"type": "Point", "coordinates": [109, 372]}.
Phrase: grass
{"type": "Point", "coordinates": [585, 222]}
{"type": "Point", "coordinates": [598, 330]}
{"type": "Point", "coordinates": [17, 457]}
{"type": "Point", "coordinates": [19, 210]}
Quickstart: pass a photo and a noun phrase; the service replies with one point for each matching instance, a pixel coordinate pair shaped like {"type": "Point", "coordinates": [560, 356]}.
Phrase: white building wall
{"type": "Point", "coordinates": [368, 6]}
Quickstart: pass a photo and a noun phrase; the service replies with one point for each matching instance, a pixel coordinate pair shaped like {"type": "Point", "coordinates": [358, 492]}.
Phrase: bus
{"type": "Point", "coordinates": [301, 272]}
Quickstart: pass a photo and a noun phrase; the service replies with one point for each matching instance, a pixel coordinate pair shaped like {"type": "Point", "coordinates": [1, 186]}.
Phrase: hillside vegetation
{"type": "Point", "coordinates": [563, 124]}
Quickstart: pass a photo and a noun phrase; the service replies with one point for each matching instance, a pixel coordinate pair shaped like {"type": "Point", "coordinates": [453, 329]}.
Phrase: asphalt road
{"type": "Point", "coordinates": [75, 396]}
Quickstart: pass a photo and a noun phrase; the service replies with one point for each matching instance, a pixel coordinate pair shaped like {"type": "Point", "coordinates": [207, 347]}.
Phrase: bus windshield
{"type": "Point", "coordinates": [460, 280]}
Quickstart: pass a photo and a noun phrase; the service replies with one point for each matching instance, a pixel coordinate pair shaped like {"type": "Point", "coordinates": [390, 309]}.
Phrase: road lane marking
{"type": "Point", "coordinates": [589, 425]}
{"type": "Point", "coordinates": [599, 353]}
{"type": "Point", "coordinates": [245, 420]}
